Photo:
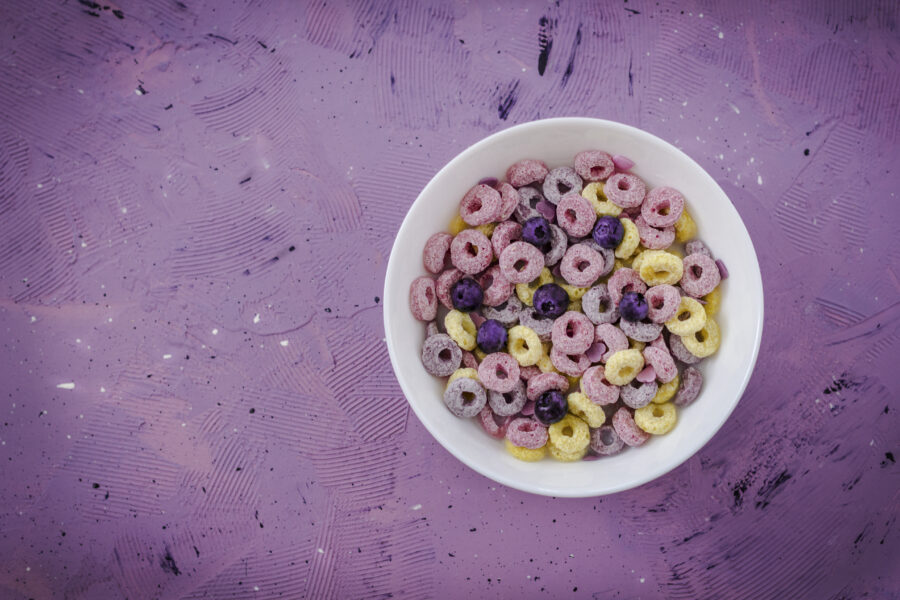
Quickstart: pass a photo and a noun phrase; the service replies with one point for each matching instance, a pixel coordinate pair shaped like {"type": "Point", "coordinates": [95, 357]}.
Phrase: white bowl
{"type": "Point", "coordinates": [556, 141]}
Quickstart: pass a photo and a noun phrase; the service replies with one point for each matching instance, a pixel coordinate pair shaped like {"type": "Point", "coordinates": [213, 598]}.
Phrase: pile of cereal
{"type": "Point", "coordinates": [560, 312]}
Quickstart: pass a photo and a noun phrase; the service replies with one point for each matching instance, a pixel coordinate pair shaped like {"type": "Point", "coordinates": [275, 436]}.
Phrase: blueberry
{"type": "Point", "coordinates": [491, 336]}
{"type": "Point", "coordinates": [551, 407]}
{"type": "Point", "coordinates": [550, 301]}
{"type": "Point", "coordinates": [633, 306]}
{"type": "Point", "coordinates": [466, 295]}
{"type": "Point", "coordinates": [536, 231]}
{"type": "Point", "coordinates": [608, 232]}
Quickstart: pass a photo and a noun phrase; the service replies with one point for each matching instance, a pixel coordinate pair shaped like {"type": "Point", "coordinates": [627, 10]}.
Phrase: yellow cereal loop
{"type": "Point", "coordinates": [545, 347]}
{"type": "Point", "coordinates": [575, 293]}
{"type": "Point", "coordinates": [546, 365]}
{"type": "Point", "coordinates": [563, 456]}
{"type": "Point", "coordinates": [583, 407]}
{"type": "Point", "coordinates": [666, 391]}
{"type": "Point", "coordinates": [575, 306]}
{"type": "Point", "coordinates": [659, 267]}
{"type": "Point", "coordinates": [570, 434]}
{"type": "Point", "coordinates": [636, 345]}
{"type": "Point", "coordinates": [524, 345]}
{"type": "Point", "coordinates": [525, 291]}
{"type": "Point", "coordinates": [456, 225]}
{"type": "Point", "coordinates": [675, 251]}
{"type": "Point", "coordinates": [574, 381]}
{"type": "Point", "coordinates": [689, 319]}
{"type": "Point", "coordinates": [704, 342]}
{"type": "Point", "coordinates": [593, 193]}
{"type": "Point", "coordinates": [478, 352]}
{"type": "Point", "coordinates": [460, 327]}
{"type": "Point", "coordinates": [464, 372]}
{"type": "Point", "coordinates": [657, 419]}
{"type": "Point", "coordinates": [630, 241]}
{"type": "Point", "coordinates": [637, 260]}
{"type": "Point", "coordinates": [618, 264]}
{"type": "Point", "coordinates": [487, 229]}
{"type": "Point", "coordinates": [685, 228]}
{"type": "Point", "coordinates": [713, 301]}
{"type": "Point", "coordinates": [526, 454]}
{"type": "Point", "coordinates": [623, 366]}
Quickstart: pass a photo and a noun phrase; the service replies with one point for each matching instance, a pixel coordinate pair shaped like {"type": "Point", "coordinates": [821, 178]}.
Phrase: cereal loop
{"type": "Point", "coordinates": [653, 238]}
{"type": "Point", "coordinates": [637, 394]}
{"type": "Point", "coordinates": [701, 275]}
{"type": "Point", "coordinates": [507, 313]}
{"type": "Point", "coordinates": [434, 256]}
{"type": "Point", "coordinates": [662, 363]}
{"type": "Point", "coordinates": [640, 332]}
{"type": "Point", "coordinates": [480, 205]}
{"type": "Point", "coordinates": [595, 386]}
{"type": "Point", "coordinates": [570, 434]}
{"type": "Point", "coordinates": [505, 233]}
{"type": "Point", "coordinates": [509, 200]}
{"type": "Point", "coordinates": [665, 392]}
{"type": "Point", "coordinates": [624, 280]}
{"type": "Point", "coordinates": [487, 229]}
{"type": "Point", "coordinates": [444, 283]}
{"type": "Point", "coordinates": [497, 289]}
{"type": "Point", "coordinates": [630, 240]}
{"type": "Point", "coordinates": [574, 293]}
{"type": "Point", "coordinates": [465, 397]}
{"type": "Point", "coordinates": [470, 251]}
{"type": "Point", "coordinates": [624, 424]}
{"type": "Point", "coordinates": [581, 406]}
{"type": "Point", "coordinates": [461, 329]}
{"type": "Point", "coordinates": [597, 304]}
{"type": "Point", "coordinates": [657, 419]}
{"type": "Point", "coordinates": [623, 366]}
{"type": "Point", "coordinates": [612, 337]}
{"type": "Point", "coordinates": [456, 225]}
{"type": "Point", "coordinates": [625, 190]}
{"type": "Point", "coordinates": [573, 333]}
{"type": "Point", "coordinates": [697, 247]}
{"type": "Point", "coordinates": [527, 433]}
{"type": "Point", "coordinates": [663, 302]}
{"type": "Point", "coordinates": [423, 299]}
{"type": "Point", "coordinates": [685, 228]}
{"type": "Point", "coordinates": [525, 291]}
{"type": "Point", "coordinates": [581, 266]}
{"type": "Point", "coordinates": [562, 456]}
{"type": "Point", "coordinates": [593, 193]}
{"type": "Point", "coordinates": [507, 404]}
{"type": "Point", "coordinates": [605, 441]}
{"type": "Point", "coordinates": [565, 363]}
{"type": "Point", "coordinates": [529, 199]}
{"type": "Point", "coordinates": [545, 382]}
{"type": "Point", "coordinates": [575, 215]}
{"type": "Point", "coordinates": [526, 172]}
{"type": "Point", "coordinates": [713, 301]}
{"type": "Point", "coordinates": [660, 268]}
{"type": "Point", "coordinates": [559, 182]}
{"type": "Point", "coordinates": [466, 372]}
{"type": "Point", "coordinates": [594, 165]}
{"type": "Point", "coordinates": [521, 262]}
{"type": "Point", "coordinates": [689, 319]}
{"type": "Point", "coordinates": [691, 382]}
{"type": "Point", "coordinates": [705, 342]}
{"type": "Point", "coordinates": [523, 344]}
{"type": "Point", "coordinates": [499, 372]}
{"type": "Point", "coordinates": [490, 424]}
{"type": "Point", "coordinates": [662, 207]}
{"type": "Point", "coordinates": [525, 454]}
{"type": "Point", "coordinates": [440, 355]}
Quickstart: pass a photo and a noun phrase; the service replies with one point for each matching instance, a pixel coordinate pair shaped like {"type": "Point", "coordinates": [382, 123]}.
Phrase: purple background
{"type": "Point", "coordinates": [168, 174]}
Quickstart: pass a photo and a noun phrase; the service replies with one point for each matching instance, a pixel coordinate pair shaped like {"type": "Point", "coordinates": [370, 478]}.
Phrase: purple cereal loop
{"type": "Point", "coordinates": [559, 243]}
{"type": "Point", "coordinates": [608, 254]}
{"type": "Point", "coordinates": [581, 266]}
{"type": "Point", "coordinates": [662, 363]}
{"type": "Point", "coordinates": [641, 331]}
{"type": "Point", "coordinates": [696, 247]}
{"type": "Point", "coordinates": [499, 372]}
{"type": "Point", "coordinates": [465, 397]}
{"type": "Point", "coordinates": [662, 200]}
{"type": "Point", "coordinates": [527, 433]}
{"type": "Point", "coordinates": [623, 163]}
{"type": "Point", "coordinates": [625, 280]}
{"type": "Point", "coordinates": [509, 200]}
{"type": "Point", "coordinates": [594, 165]}
{"type": "Point", "coordinates": [509, 403]}
{"type": "Point", "coordinates": [653, 238]}
{"type": "Point", "coordinates": [647, 374]}
{"type": "Point", "coordinates": [701, 275]}
{"type": "Point", "coordinates": [680, 352]}
{"type": "Point", "coordinates": [663, 302]}
{"type": "Point", "coordinates": [440, 355]}
{"type": "Point", "coordinates": [614, 338]}
{"type": "Point", "coordinates": [543, 327]}
{"type": "Point", "coordinates": [689, 389]}
{"type": "Point", "coordinates": [527, 207]}
{"type": "Point", "coordinates": [431, 329]}
{"type": "Point", "coordinates": [595, 386]}
{"type": "Point", "coordinates": [565, 364]}
{"type": "Point", "coordinates": [546, 210]}
{"type": "Point", "coordinates": [595, 352]}
{"type": "Point", "coordinates": [469, 361]}
{"type": "Point", "coordinates": [575, 215]}
{"type": "Point", "coordinates": [423, 299]}
{"type": "Point", "coordinates": [625, 190]}
{"type": "Point", "coordinates": [631, 434]}
{"type": "Point", "coordinates": [605, 441]}
{"type": "Point", "coordinates": [471, 252]}
{"type": "Point", "coordinates": [490, 424]}
{"type": "Point", "coordinates": [444, 282]}
{"type": "Point", "coordinates": [480, 205]}
{"type": "Point", "coordinates": [545, 382]}
{"type": "Point", "coordinates": [434, 256]}
{"type": "Point", "coordinates": [505, 234]}
{"type": "Point", "coordinates": [496, 288]}
{"type": "Point", "coordinates": [526, 172]}
{"type": "Point", "coordinates": [598, 305]}
{"type": "Point", "coordinates": [637, 394]}
{"type": "Point", "coordinates": [573, 333]}
{"type": "Point", "coordinates": [521, 262]}
{"type": "Point", "coordinates": [561, 181]}
{"type": "Point", "coordinates": [507, 313]}
{"type": "Point", "coordinates": [723, 270]}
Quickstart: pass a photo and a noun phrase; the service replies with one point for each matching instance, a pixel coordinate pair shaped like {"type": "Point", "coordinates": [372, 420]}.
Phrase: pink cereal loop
{"type": "Point", "coordinates": [663, 302]}
{"type": "Point", "coordinates": [423, 299]}
{"type": "Point", "coordinates": [470, 251]}
{"type": "Point", "coordinates": [662, 362]}
{"type": "Point", "coordinates": [444, 282]}
{"type": "Point", "coordinates": [527, 373]}
{"type": "Point", "coordinates": [497, 289]}
{"type": "Point", "coordinates": [625, 280]}
{"type": "Point", "coordinates": [526, 433]}
{"type": "Point", "coordinates": [701, 275]}
{"type": "Point", "coordinates": [504, 234]}
{"type": "Point", "coordinates": [521, 262]}
{"type": "Point", "coordinates": [565, 363]}
{"type": "Point", "coordinates": [509, 200]}
{"type": "Point", "coordinates": [625, 190]}
{"type": "Point", "coordinates": [544, 382]}
{"type": "Point", "coordinates": [594, 165]}
{"type": "Point", "coordinates": [434, 256]}
{"type": "Point", "coordinates": [526, 172]}
{"type": "Point", "coordinates": [647, 375]}
{"type": "Point", "coordinates": [660, 343]}
{"type": "Point", "coordinates": [662, 200]}
{"type": "Point", "coordinates": [573, 333]}
{"type": "Point", "coordinates": [595, 386]}
{"type": "Point", "coordinates": [631, 434]}
{"type": "Point", "coordinates": [469, 361]}
{"type": "Point", "coordinates": [581, 266]}
{"type": "Point", "coordinates": [490, 425]}
{"type": "Point", "coordinates": [613, 337]}
{"type": "Point", "coordinates": [480, 205]}
{"type": "Point", "coordinates": [653, 238]}
{"type": "Point", "coordinates": [575, 215]}
{"type": "Point", "coordinates": [499, 372]}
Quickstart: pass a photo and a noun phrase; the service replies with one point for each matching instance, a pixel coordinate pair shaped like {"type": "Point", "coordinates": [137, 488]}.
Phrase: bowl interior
{"type": "Point", "coordinates": [556, 141]}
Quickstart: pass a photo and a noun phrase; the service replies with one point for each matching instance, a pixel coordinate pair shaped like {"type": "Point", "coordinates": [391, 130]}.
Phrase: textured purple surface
{"type": "Point", "coordinates": [170, 172]}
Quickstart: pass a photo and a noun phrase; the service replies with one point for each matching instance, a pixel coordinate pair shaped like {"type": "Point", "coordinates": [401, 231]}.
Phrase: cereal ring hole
{"type": "Point", "coordinates": [570, 329]}
{"type": "Point", "coordinates": [624, 184]}
{"type": "Point", "coordinates": [563, 187]}
{"type": "Point", "coordinates": [596, 172]}
{"type": "Point", "coordinates": [520, 264]}
{"type": "Point", "coordinates": [656, 302]}
{"type": "Point", "coordinates": [444, 354]}
{"type": "Point", "coordinates": [488, 281]}
{"type": "Point", "coordinates": [626, 371]}
{"type": "Point", "coordinates": [567, 431]}
{"type": "Point", "coordinates": [684, 315]}
{"type": "Point", "coordinates": [471, 249]}
{"type": "Point", "coordinates": [701, 336]}
{"type": "Point", "coordinates": [429, 294]}
{"type": "Point", "coordinates": [475, 205]}
{"type": "Point", "coordinates": [696, 270]}
{"type": "Point", "coordinates": [570, 214]}
{"type": "Point", "coordinates": [657, 412]}
{"type": "Point", "coordinates": [501, 372]}
{"type": "Point", "coordinates": [582, 265]}
{"type": "Point", "coordinates": [664, 208]}
{"type": "Point", "coordinates": [606, 436]}
{"type": "Point", "coordinates": [660, 272]}
{"type": "Point", "coordinates": [468, 398]}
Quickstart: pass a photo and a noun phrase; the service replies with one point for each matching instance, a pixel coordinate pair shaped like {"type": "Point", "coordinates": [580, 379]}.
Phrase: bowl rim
{"type": "Point", "coordinates": [754, 276]}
